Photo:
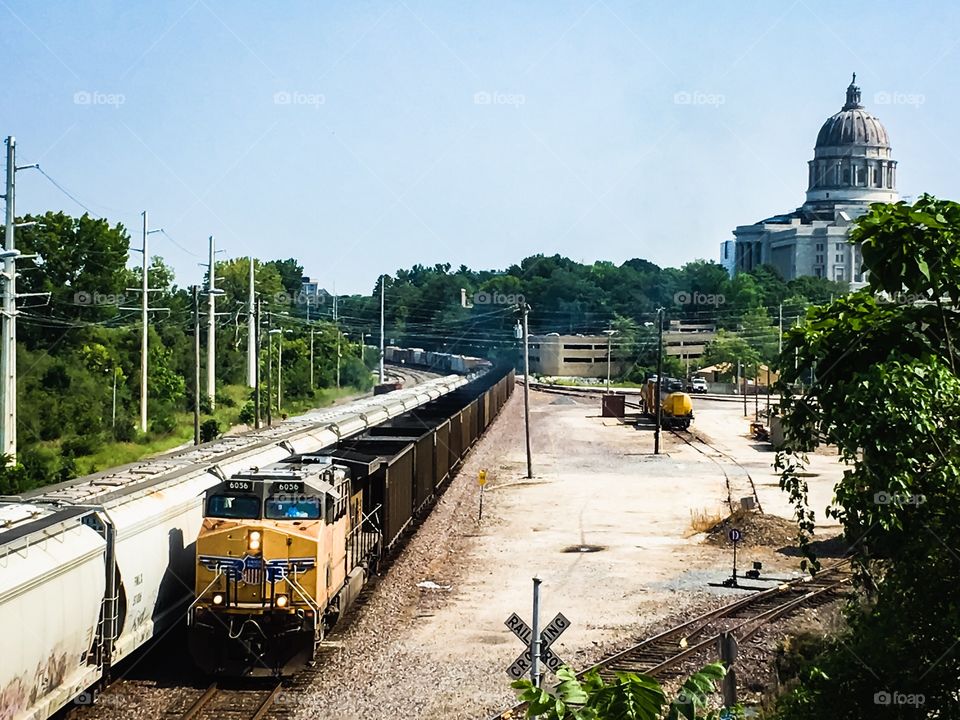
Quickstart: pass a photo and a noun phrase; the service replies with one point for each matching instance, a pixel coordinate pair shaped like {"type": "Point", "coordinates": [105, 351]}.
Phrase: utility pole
{"type": "Point", "coordinates": [251, 331]}
{"type": "Point", "coordinates": [113, 406]}
{"type": "Point", "coordinates": [744, 378]}
{"type": "Point", "coordinates": [609, 343]}
{"type": "Point", "coordinates": [526, 390]}
{"type": "Point", "coordinates": [196, 365]}
{"type": "Point", "coordinates": [756, 389]}
{"type": "Point", "coordinates": [383, 280]}
{"type": "Point", "coordinates": [656, 431]}
{"type": "Point", "coordinates": [279, 332]}
{"type": "Point", "coordinates": [780, 324]}
{"type": "Point", "coordinates": [336, 327]}
{"type": "Point", "coordinates": [768, 394]}
{"type": "Point", "coordinates": [311, 360]}
{"type": "Point", "coordinates": [211, 330]}
{"type": "Point", "coordinates": [269, 368]}
{"type": "Point", "coordinates": [8, 351]}
{"type": "Point", "coordinates": [145, 313]}
{"type": "Point", "coordinates": [8, 313]}
{"type": "Point", "coordinates": [256, 365]}
{"type": "Point", "coordinates": [145, 309]}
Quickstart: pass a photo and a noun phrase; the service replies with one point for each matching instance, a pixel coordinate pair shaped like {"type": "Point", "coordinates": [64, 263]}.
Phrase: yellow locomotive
{"type": "Point", "coordinates": [282, 551]}
{"type": "Point", "coordinates": [676, 407]}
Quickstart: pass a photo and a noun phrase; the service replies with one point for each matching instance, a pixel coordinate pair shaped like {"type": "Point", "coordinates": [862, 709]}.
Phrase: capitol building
{"type": "Point", "coordinates": [851, 168]}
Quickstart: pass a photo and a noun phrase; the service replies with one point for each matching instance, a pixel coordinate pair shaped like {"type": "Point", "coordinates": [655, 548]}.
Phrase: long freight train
{"type": "Point", "coordinates": [92, 569]}
{"type": "Point", "coordinates": [436, 361]}
{"type": "Point", "coordinates": [284, 549]}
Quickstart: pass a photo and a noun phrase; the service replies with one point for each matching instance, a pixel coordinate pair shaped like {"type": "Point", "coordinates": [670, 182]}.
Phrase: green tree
{"type": "Point", "coordinates": [887, 395]}
{"type": "Point", "coordinates": [730, 348]}
{"type": "Point", "coordinates": [291, 275]}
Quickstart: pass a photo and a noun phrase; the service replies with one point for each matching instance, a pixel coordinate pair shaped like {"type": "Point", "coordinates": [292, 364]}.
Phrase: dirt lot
{"type": "Point", "coordinates": [440, 651]}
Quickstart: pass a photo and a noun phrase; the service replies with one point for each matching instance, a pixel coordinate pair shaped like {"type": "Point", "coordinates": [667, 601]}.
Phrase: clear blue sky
{"type": "Point", "coordinates": [384, 154]}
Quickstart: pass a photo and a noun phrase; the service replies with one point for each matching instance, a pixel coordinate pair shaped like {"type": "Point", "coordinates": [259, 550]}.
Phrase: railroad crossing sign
{"type": "Point", "coordinates": [550, 633]}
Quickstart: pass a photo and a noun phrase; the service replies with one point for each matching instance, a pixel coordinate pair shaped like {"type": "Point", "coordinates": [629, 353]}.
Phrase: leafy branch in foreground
{"type": "Point", "coordinates": [629, 696]}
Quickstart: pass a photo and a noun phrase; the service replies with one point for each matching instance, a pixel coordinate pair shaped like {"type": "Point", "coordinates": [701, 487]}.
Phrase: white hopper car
{"type": "Point", "coordinates": [93, 568]}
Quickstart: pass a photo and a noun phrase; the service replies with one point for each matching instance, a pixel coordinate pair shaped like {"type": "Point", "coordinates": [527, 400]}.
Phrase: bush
{"type": "Point", "coordinates": [163, 424]}
{"type": "Point", "coordinates": [224, 400]}
{"type": "Point", "coordinates": [247, 414]}
{"type": "Point", "coordinates": [13, 479]}
{"type": "Point", "coordinates": [205, 407]}
{"type": "Point", "coordinates": [125, 430]}
{"type": "Point", "coordinates": [41, 464]}
{"type": "Point", "coordinates": [209, 430]}
{"type": "Point", "coordinates": [78, 445]}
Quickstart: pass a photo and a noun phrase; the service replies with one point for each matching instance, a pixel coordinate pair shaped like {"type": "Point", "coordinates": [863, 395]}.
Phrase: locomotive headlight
{"type": "Point", "coordinates": [281, 601]}
{"type": "Point", "coordinates": [253, 541]}
{"type": "Point", "coordinates": [218, 599]}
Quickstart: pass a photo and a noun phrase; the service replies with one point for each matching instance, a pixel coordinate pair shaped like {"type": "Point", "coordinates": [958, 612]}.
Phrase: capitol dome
{"type": "Point", "coordinates": [851, 163]}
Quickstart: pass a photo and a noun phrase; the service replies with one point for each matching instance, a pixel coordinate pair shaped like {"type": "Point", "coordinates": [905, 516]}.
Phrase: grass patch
{"type": "Point", "coordinates": [703, 520]}
{"type": "Point", "coordinates": [114, 454]}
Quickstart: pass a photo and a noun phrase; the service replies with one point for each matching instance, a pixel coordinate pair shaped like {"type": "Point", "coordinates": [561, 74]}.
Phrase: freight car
{"type": "Point", "coordinates": [676, 407]}
{"type": "Point", "coordinates": [92, 569]}
{"type": "Point", "coordinates": [274, 571]}
{"type": "Point", "coordinates": [435, 361]}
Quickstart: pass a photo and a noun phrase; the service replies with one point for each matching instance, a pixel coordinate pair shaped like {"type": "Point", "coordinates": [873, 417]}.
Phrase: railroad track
{"type": "Point", "coordinates": [407, 376]}
{"type": "Point", "coordinates": [736, 487]}
{"type": "Point", "coordinates": [686, 647]}
{"type": "Point", "coordinates": [241, 703]}
{"type": "Point", "coordinates": [739, 484]}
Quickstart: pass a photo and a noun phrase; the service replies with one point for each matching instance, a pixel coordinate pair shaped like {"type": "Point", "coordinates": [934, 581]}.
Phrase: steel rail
{"type": "Point", "coordinates": [814, 588]}
{"type": "Point", "coordinates": [214, 690]}
{"type": "Point", "coordinates": [726, 475]}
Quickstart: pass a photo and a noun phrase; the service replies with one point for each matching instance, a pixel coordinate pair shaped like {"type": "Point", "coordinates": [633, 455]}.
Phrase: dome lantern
{"type": "Point", "coordinates": [851, 163]}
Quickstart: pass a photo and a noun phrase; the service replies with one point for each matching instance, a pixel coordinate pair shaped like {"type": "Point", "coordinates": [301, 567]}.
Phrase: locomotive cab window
{"type": "Point", "coordinates": [280, 507]}
{"type": "Point", "coordinates": [244, 507]}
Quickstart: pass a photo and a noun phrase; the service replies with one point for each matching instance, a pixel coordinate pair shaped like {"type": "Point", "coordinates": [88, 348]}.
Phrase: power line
{"type": "Point", "coordinates": [68, 193]}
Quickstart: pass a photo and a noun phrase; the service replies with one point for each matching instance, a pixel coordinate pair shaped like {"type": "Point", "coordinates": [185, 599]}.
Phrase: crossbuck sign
{"type": "Point", "coordinates": [521, 666]}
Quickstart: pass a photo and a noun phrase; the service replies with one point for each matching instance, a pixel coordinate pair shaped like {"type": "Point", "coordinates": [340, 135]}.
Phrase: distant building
{"type": "Point", "coordinates": [311, 293]}
{"type": "Point", "coordinates": [851, 168]}
{"type": "Point", "coordinates": [728, 256]}
{"type": "Point", "coordinates": [556, 355]}
{"type": "Point", "coordinates": [688, 340]}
